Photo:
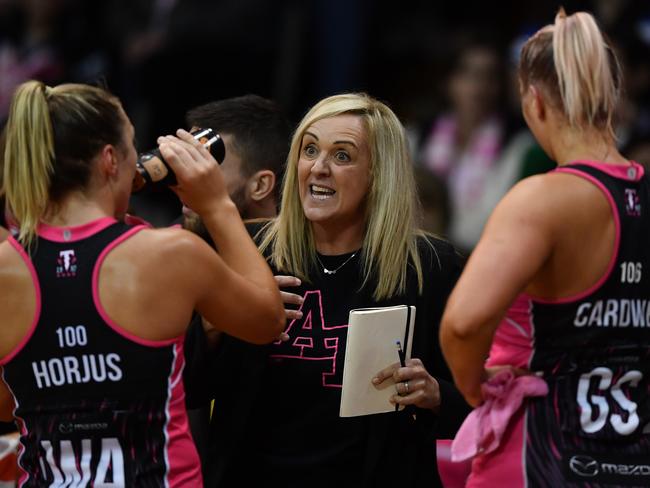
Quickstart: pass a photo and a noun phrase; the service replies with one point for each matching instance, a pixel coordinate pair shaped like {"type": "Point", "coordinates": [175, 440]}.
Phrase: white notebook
{"type": "Point", "coordinates": [371, 346]}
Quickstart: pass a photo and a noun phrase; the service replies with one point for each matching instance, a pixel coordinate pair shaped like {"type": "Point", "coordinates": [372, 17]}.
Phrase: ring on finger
{"type": "Point", "coordinates": [406, 387]}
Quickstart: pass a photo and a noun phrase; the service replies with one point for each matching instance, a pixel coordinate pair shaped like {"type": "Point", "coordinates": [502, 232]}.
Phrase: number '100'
{"type": "Point", "coordinates": [72, 336]}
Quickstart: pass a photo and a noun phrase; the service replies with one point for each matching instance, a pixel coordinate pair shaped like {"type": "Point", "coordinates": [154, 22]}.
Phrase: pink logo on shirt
{"type": "Point", "coordinates": [326, 351]}
{"type": "Point", "coordinates": [632, 203]}
{"type": "Point", "coordinates": [66, 264]}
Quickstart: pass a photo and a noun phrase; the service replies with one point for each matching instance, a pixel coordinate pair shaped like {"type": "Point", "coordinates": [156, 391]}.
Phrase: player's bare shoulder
{"type": "Point", "coordinates": [173, 249]}
{"type": "Point", "coordinates": [11, 260]}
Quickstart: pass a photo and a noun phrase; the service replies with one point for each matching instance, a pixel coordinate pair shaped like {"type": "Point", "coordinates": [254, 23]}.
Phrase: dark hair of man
{"type": "Point", "coordinates": [260, 131]}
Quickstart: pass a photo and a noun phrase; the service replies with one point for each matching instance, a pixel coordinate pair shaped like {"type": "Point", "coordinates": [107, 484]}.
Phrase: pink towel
{"type": "Point", "coordinates": [503, 394]}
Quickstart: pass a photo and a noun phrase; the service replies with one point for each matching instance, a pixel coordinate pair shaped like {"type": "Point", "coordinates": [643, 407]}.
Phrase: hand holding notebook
{"type": "Point", "coordinates": [371, 346]}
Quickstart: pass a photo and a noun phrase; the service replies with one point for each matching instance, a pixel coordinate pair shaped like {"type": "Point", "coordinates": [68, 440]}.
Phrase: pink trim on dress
{"type": "Point", "coordinates": [37, 290]}
{"type": "Point", "coordinates": [74, 233]}
{"type": "Point", "coordinates": [616, 170]}
{"type": "Point", "coordinates": [100, 309]}
{"type": "Point", "coordinates": [181, 456]}
{"type": "Point", "coordinates": [514, 338]}
{"type": "Point", "coordinates": [617, 238]}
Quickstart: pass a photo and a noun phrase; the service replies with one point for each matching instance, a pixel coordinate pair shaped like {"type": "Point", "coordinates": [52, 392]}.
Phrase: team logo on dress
{"type": "Point", "coordinates": [632, 203]}
{"type": "Point", "coordinates": [66, 264]}
{"type": "Point", "coordinates": [584, 466]}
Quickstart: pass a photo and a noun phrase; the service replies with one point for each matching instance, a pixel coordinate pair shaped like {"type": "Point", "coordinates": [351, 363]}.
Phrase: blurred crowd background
{"type": "Point", "coordinates": [447, 68]}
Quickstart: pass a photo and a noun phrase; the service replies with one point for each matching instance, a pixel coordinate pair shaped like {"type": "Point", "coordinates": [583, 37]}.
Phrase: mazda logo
{"type": "Point", "coordinates": [584, 466]}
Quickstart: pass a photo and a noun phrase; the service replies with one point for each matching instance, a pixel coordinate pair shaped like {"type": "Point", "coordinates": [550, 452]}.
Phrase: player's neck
{"type": "Point", "coordinates": [585, 145]}
{"type": "Point", "coordinates": [76, 209]}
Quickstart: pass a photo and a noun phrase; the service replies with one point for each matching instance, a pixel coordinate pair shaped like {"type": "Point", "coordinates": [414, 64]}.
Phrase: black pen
{"type": "Point", "coordinates": [402, 362]}
{"type": "Point", "coordinates": [400, 352]}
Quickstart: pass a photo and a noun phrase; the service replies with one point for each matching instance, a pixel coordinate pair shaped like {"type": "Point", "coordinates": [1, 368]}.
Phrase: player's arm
{"type": "Point", "coordinates": [244, 304]}
{"type": "Point", "coordinates": [236, 291]}
{"type": "Point", "coordinates": [517, 241]}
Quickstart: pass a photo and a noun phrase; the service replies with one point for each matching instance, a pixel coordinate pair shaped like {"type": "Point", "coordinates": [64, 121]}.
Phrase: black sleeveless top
{"type": "Point", "coordinates": [96, 406]}
{"type": "Point", "coordinates": [593, 350]}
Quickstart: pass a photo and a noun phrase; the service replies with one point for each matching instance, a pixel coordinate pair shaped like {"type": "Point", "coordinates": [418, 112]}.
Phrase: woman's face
{"type": "Point", "coordinates": [474, 85]}
{"type": "Point", "coordinates": [334, 170]}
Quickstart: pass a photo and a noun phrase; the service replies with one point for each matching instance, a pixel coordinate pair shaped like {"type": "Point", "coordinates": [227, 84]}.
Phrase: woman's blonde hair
{"type": "Point", "coordinates": [390, 240]}
{"type": "Point", "coordinates": [51, 137]}
{"type": "Point", "coordinates": [577, 67]}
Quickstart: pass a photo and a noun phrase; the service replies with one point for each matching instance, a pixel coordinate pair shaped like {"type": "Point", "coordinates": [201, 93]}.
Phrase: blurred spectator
{"type": "Point", "coordinates": [29, 46]}
{"type": "Point", "coordinates": [520, 157]}
{"type": "Point", "coordinates": [465, 141]}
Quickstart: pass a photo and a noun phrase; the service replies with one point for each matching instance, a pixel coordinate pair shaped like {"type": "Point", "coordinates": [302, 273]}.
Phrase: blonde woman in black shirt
{"type": "Point", "coordinates": [346, 237]}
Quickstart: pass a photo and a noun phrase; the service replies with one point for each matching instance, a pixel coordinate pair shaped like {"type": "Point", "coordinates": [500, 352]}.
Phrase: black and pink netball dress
{"type": "Point", "coordinates": [593, 351]}
{"type": "Point", "coordinates": [96, 405]}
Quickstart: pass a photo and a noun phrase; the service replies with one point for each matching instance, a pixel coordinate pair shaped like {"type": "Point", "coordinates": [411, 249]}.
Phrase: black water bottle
{"type": "Point", "coordinates": [152, 169]}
